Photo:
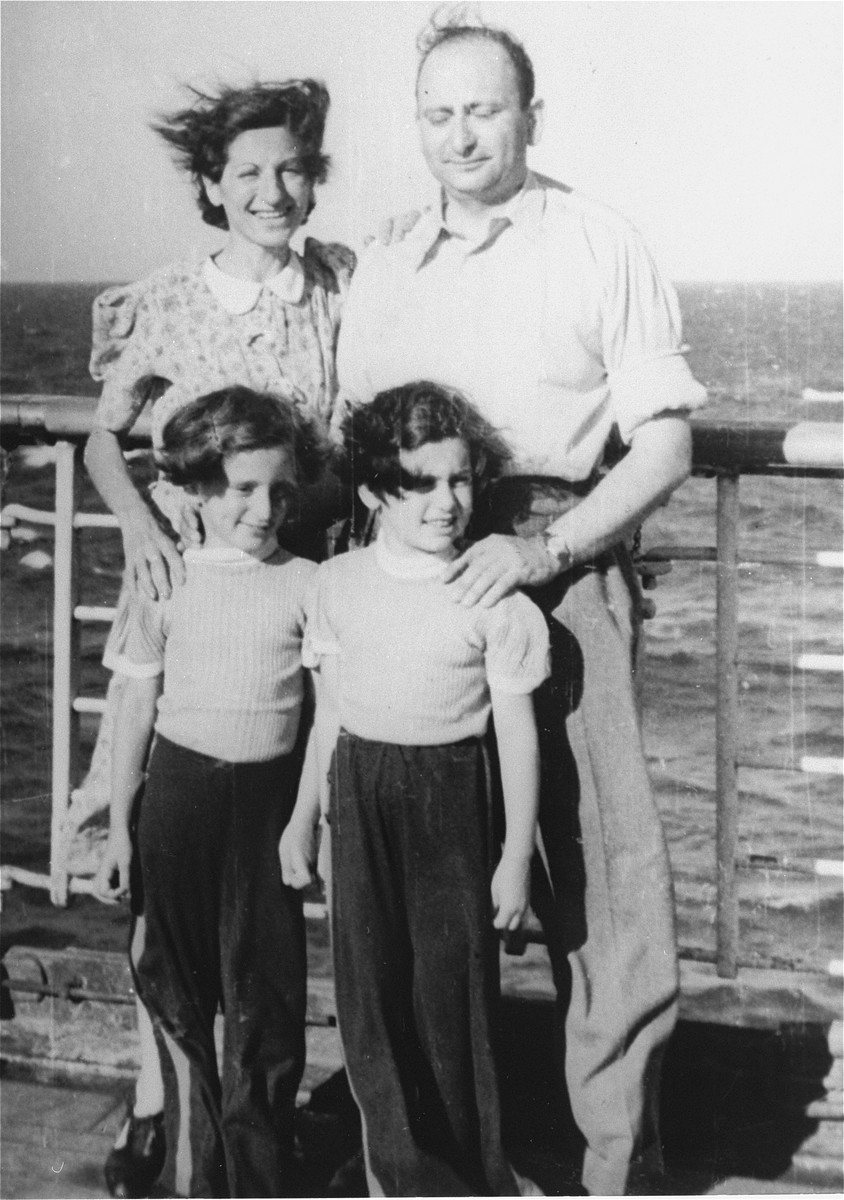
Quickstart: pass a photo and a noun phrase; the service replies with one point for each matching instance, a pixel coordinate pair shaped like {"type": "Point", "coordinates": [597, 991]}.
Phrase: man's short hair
{"type": "Point", "coordinates": [457, 27]}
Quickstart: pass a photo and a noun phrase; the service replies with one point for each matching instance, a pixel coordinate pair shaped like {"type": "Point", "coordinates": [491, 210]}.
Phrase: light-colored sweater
{"type": "Point", "coordinates": [416, 668]}
{"type": "Point", "coordinates": [229, 644]}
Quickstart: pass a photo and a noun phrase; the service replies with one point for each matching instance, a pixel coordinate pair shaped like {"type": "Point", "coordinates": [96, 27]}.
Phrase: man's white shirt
{"type": "Point", "coordinates": [551, 316]}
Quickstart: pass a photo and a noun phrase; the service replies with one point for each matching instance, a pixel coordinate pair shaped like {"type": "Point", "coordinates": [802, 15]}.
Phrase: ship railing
{"type": "Point", "coordinates": [723, 452]}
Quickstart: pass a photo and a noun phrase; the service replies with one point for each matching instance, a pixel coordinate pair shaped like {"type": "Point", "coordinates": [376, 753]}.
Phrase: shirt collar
{"type": "Point", "coordinates": [522, 211]}
{"type": "Point", "coordinates": [228, 554]}
{"type": "Point", "coordinates": [238, 296]}
{"type": "Point", "coordinates": [407, 566]}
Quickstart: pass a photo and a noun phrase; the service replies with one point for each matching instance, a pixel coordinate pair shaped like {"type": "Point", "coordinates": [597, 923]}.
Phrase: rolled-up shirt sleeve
{"type": "Point", "coordinates": [643, 345]}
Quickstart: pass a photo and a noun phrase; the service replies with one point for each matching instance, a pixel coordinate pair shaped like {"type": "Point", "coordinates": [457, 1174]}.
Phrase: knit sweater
{"type": "Point", "coordinates": [229, 644]}
{"type": "Point", "coordinates": [415, 667]}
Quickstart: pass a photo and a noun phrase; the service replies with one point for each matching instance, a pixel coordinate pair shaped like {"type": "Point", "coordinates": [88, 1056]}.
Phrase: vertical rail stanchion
{"type": "Point", "coordinates": [726, 724]}
{"type": "Point", "coordinates": [65, 662]}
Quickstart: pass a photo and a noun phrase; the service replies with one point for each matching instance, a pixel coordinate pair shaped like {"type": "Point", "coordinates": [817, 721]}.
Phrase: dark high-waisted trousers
{"type": "Point", "coordinates": [222, 930]}
{"type": "Point", "coordinates": [416, 964]}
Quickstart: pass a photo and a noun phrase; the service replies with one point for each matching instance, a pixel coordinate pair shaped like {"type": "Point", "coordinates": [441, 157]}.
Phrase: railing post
{"type": "Point", "coordinates": [65, 661]}
{"type": "Point", "coordinates": [726, 724]}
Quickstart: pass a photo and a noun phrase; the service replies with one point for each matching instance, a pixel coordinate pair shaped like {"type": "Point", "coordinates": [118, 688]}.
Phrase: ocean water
{"type": "Point", "coordinates": [755, 347]}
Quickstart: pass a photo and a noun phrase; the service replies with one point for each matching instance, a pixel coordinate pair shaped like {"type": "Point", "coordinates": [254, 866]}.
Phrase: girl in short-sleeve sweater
{"type": "Point", "coordinates": [215, 673]}
{"type": "Point", "coordinates": [406, 682]}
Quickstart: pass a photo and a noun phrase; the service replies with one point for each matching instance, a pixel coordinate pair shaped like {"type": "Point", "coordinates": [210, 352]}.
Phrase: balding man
{"type": "Point", "coordinates": [547, 309]}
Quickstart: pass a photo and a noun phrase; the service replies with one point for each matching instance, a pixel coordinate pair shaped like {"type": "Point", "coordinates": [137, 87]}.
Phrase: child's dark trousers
{"type": "Point", "coordinates": [416, 964]}
{"type": "Point", "coordinates": [222, 931]}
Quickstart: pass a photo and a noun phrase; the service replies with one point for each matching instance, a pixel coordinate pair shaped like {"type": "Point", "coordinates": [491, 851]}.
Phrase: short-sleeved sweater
{"type": "Point", "coordinates": [415, 667]}
{"type": "Point", "coordinates": [189, 329]}
{"type": "Point", "coordinates": [229, 644]}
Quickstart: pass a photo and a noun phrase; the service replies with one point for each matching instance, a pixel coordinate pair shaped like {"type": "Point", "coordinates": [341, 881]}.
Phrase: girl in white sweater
{"type": "Point", "coordinates": [215, 675]}
{"type": "Point", "coordinates": [406, 683]}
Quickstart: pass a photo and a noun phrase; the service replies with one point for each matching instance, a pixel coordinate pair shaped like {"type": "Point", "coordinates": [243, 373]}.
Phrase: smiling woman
{"type": "Point", "coordinates": [255, 314]}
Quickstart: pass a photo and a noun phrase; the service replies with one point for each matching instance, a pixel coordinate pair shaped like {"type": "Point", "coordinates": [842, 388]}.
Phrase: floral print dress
{"type": "Point", "coordinates": [189, 329]}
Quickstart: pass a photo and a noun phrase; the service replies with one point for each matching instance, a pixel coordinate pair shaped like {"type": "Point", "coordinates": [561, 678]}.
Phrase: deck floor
{"type": "Point", "coordinates": [54, 1141]}
{"type": "Point", "coordinates": [734, 1113]}
{"type": "Point", "coordinates": [54, 1138]}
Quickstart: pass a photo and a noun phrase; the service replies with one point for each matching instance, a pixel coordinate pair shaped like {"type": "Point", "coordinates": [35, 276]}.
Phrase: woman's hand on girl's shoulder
{"type": "Point", "coordinates": [153, 562]}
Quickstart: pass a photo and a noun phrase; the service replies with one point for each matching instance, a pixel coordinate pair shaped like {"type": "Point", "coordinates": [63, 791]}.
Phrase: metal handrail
{"type": "Point", "coordinates": [813, 449]}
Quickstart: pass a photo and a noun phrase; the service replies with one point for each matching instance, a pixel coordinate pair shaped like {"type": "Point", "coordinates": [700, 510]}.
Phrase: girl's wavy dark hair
{"type": "Point", "coordinates": [407, 417]}
{"type": "Point", "coordinates": [201, 134]}
{"type": "Point", "coordinates": [199, 437]}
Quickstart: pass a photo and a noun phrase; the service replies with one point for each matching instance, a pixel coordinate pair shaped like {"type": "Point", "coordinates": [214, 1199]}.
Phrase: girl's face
{"type": "Point", "coordinates": [243, 511]}
{"type": "Point", "coordinates": [263, 189]}
{"type": "Point", "coordinates": [434, 506]}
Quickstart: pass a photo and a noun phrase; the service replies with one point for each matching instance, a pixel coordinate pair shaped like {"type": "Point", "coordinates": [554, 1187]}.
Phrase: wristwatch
{"type": "Point", "coordinates": [557, 547]}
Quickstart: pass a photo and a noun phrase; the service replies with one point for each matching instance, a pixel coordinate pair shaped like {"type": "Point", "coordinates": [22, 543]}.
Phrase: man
{"type": "Point", "coordinates": [547, 310]}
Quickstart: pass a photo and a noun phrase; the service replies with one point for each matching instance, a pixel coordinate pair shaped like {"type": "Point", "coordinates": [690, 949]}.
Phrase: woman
{"type": "Point", "coordinates": [255, 313]}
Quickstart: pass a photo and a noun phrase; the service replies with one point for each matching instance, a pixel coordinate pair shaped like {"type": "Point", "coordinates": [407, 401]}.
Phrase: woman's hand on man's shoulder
{"type": "Point", "coordinates": [394, 229]}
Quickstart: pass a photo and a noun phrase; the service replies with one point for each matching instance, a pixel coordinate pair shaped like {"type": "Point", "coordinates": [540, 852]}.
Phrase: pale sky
{"type": "Point", "coordinates": [715, 126]}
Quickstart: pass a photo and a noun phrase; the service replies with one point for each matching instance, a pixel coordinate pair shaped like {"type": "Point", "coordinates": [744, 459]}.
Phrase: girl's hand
{"type": "Point", "coordinates": [510, 891]}
{"type": "Point", "coordinates": [153, 563]}
{"type": "Point", "coordinates": [111, 882]}
{"type": "Point", "coordinates": [297, 853]}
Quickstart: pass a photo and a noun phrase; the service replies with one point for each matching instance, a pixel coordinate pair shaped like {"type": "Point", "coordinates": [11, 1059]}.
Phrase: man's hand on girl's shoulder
{"type": "Point", "coordinates": [492, 568]}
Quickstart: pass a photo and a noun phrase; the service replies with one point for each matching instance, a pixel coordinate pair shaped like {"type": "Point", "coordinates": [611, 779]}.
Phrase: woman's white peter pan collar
{"type": "Point", "coordinates": [227, 554]}
{"type": "Point", "coordinates": [238, 296]}
{"type": "Point", "coordinates": [408, 566]}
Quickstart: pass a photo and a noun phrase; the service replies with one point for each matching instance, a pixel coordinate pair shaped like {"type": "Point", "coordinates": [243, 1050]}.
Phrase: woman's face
{"type": "Point", "coordinates": [264, 190]}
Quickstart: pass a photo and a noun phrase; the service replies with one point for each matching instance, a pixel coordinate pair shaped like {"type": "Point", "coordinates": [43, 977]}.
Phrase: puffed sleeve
{"type": "Point", "coordinates": [124, 350]}
{"type": "Point", "coordinates": [135, 645]}
{"type": "Point", "coordinates": [306, 573]}
{"type": "Point", "coordinates": [643, 338]}
{"type": "Point", "coordinates": [517, 652]}
{"type": "Point", "coordinates": [320, 636]}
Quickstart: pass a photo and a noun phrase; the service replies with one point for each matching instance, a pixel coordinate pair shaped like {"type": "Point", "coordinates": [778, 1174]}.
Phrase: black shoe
{"type": "Point", "coordinates": [135, 1161]}
{"type": "Point", "coordinates": [350, 1178]}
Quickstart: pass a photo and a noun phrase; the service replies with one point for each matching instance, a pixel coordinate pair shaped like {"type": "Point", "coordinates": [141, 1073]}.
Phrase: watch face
{"type": "Point", "coordinates": [557, 548]}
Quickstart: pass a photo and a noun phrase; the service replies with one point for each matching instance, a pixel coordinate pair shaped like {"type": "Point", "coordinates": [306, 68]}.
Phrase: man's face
{"type": "Point", "coordinates": [474, 131]}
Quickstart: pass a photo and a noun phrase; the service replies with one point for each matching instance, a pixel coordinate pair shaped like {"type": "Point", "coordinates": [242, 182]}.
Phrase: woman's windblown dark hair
{"type": "Point", "coordinates": [201, 134]}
